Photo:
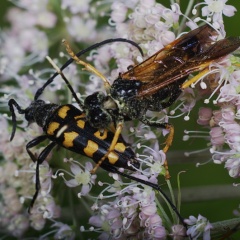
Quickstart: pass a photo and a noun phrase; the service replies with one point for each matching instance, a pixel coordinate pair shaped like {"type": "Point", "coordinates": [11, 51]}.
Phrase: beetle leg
{"type": "Point", "coordinates": [112, 146]}
{"type": "Point", "coordinates": [42, 156]}
{"type": "Point", "coordinates": [34, 143]}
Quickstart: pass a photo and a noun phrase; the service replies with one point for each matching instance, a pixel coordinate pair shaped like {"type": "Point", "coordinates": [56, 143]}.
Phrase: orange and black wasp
{"type": "Point", "coordinates": [156, 83]}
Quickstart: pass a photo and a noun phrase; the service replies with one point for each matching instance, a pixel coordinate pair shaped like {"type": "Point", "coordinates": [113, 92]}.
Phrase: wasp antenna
{"type": "Point", "coordinates": [11, 104]}
{"type": "Point", "coordinates": [90, 48]}
{"type": "Point", "coordinates": [124, 40]}
{"type": "Point", "coordinates": [59, 71]}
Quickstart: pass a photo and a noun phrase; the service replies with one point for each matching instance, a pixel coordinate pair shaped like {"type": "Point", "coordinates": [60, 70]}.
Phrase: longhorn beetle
{"type": "Point", "coordinates": [154, 84]}
{"type": "Point", "coordinates": [67, 126]}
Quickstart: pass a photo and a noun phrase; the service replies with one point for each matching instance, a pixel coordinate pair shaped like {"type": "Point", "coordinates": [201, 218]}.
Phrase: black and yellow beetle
{"type": "Point", "coordinates": [68, 127]}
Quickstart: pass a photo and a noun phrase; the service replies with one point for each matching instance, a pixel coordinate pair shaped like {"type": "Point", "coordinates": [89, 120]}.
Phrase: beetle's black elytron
{"type": "Point", "coordinates": [156, 83]}
{"type": "Point", "coordinates": [67, 126]}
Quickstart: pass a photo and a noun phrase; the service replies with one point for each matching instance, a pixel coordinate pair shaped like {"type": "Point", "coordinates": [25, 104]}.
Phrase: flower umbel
{"type": "Point", "coordinates": [123, 209]}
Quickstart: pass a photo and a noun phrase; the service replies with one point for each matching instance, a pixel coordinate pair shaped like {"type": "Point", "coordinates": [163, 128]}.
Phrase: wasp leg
{"type": "Point", "coordinates": [87, 66]}
{"type": "Point", "coordinates": [195, 78]}
{"type": "Point", "coordinates": [42, 156]}
{"type": "Point", "coordinates": [169, 139]}
{"type": "Point", "coordinates": [112, 146]}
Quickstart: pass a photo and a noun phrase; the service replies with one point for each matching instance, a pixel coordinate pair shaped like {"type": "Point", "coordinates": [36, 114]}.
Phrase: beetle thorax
{"type": "Point", "coordinates": [40, 112]}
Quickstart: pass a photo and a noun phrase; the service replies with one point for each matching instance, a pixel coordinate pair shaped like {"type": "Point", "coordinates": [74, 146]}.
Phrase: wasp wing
{"type": "Point", "coordinates": [191, 52]}
{"type": "Point", "coordinates": [173, 55]}
{"type": "Point", "coordinates": [197, 63]}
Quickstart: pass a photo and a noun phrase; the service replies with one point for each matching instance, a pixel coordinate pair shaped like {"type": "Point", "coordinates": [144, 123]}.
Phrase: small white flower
{"type": "Point", "coordinates": [76, 6]}
{"type": "Point", "coordinates": [81, 177]}
{"type": "Point", "coordinates": [198, 226]}
{"type": "Point", "coordinates": [80, 29]}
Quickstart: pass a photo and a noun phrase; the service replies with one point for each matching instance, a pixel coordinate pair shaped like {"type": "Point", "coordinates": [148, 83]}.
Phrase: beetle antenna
{"type": "Point", "coordinates": [66, 81]}
{"type": "Point", "coordinates": [12, 103]}
{"type": "Point", "coordinates": [156, 187]}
